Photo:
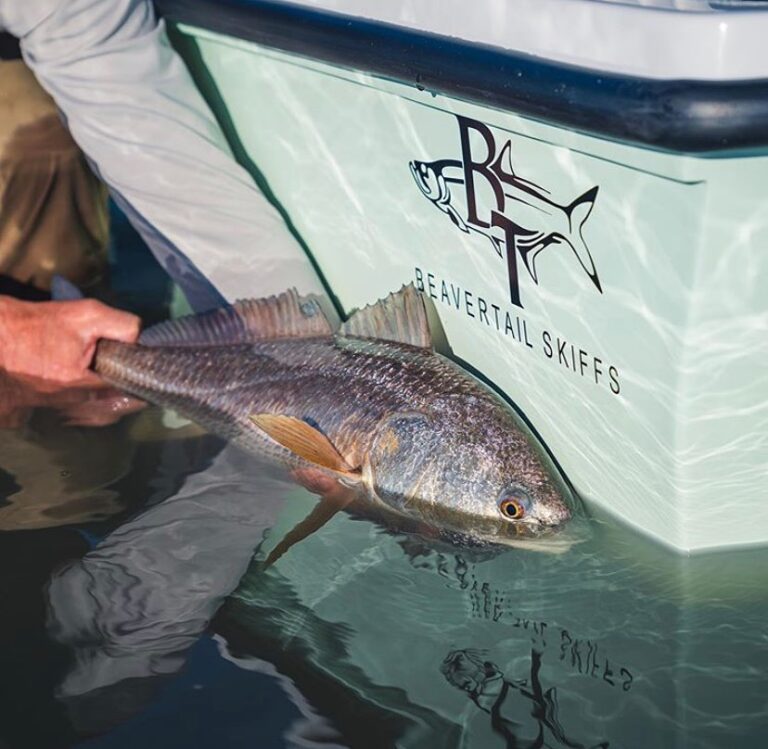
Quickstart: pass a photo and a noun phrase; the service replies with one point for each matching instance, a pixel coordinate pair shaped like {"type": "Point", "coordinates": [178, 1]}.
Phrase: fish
{"type": "Point", "coordinates": [371, 407]}
{"type": "Point", "coordinates": [536, 220]}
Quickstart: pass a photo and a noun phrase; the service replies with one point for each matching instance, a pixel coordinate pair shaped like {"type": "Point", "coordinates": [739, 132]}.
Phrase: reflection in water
{"type": "Point", "coordinates": [52, 472]}
{"type": "Point", "coordinates": [317, 656]}
{"type": "Point", "coordinates": [131, 608]}
{"type": "Point", "coordinates": [373, 638]}
{"type": "Point", "coordinates": [495, 694]}
{"type": "Point", "coordinates": [614, 643]}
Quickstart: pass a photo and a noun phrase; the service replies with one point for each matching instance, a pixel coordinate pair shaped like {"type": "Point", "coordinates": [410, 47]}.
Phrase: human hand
{"type": "Point", "coordinates": [56, 341]}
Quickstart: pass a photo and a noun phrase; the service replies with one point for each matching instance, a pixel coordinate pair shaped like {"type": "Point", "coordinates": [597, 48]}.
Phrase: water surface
{"type": "Point", "coordinates": [137, 611]}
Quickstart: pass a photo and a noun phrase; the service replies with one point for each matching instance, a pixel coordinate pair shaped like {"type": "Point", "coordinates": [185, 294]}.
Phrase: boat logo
{"type": "Point", "coordinates": [482, 193]}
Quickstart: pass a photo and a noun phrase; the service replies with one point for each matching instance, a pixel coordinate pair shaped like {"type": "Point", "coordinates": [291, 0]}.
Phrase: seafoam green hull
{"type": "Point", "coordinates": [651, 392]}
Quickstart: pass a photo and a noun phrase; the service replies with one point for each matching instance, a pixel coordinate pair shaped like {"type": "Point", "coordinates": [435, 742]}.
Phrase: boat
{"type": "Point", "coordinates": [579, 186]}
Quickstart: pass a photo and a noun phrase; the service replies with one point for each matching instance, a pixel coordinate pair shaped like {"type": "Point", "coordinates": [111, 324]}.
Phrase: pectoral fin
{"type": "Point", "coordinates": [304, 440]}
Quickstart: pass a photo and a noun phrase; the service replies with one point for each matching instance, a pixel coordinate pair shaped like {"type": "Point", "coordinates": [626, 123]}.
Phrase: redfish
{"type": "Point", "coordinates": [372, 406]}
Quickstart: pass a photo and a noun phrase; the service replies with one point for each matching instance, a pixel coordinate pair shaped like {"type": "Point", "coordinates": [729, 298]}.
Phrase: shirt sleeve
{"type": "Point", "coordinates": [132, 107]}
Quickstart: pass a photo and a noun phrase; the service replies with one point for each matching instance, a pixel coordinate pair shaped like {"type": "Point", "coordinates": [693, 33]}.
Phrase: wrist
{"type": "Point", "coordinates": [14, 328]}
{"type": "Point", "coordinates": [7, 312]}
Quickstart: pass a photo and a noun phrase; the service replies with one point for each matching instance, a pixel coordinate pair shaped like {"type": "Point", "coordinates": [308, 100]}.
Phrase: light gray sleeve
{"type": "Point", "coordinates": [133, 606]}
{"type": "Point", "coordinates": [133, 109]}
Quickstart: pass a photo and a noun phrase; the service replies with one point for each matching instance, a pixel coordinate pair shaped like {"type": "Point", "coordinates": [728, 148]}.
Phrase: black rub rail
{"type": "Point", "coordinates": [687, 116]}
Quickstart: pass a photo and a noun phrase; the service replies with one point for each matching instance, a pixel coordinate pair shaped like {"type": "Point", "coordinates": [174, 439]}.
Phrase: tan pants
{"type": "Point", "coordinates": [53, 210]}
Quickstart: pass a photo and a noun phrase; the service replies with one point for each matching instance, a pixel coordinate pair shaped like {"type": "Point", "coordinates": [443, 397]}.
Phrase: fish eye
{"type": "Point", "coordinates": [512, 509]}
{"type": "Point", "coordinates": [514, 506]}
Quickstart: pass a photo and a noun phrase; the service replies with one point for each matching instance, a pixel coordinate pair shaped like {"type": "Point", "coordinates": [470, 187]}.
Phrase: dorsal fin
{"type": "Point", "coordinates": [287, 315]}
{"type": "Point", "coordinates": [401, 317]}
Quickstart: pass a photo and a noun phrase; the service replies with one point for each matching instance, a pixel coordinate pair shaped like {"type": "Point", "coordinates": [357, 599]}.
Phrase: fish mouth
{"type": "Point", "coordinates": [530, 529]}
{"type": "Point", "coordinates": [492, 531]}
{"type": "Point", "coordinates": [537, 538]}
{"type": "Point", "coordinates": [548, 544]}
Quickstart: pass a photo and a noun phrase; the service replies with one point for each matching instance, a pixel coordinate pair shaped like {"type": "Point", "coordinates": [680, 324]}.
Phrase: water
{"type": "Point", "coordinates": [137, 611]}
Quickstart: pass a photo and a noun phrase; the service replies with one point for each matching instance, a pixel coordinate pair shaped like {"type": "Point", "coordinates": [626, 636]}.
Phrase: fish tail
{"type": "Point", "coordinates": [578, 212]}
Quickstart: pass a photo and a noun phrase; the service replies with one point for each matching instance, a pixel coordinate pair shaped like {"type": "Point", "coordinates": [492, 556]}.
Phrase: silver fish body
{"type": "Point", "coordinates": [425, 438]}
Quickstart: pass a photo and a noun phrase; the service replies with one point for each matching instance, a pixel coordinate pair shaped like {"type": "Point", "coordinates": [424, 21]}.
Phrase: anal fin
{"type": "Point", "coordinates": [322, 512]}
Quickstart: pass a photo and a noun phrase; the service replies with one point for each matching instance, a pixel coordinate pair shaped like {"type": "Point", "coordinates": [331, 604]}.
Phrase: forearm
{"type": "Point", "coordinates": [132, 107]}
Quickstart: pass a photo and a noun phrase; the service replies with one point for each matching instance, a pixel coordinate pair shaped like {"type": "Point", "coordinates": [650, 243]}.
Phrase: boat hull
{"type": "Point", "coordinates": [614, 292]}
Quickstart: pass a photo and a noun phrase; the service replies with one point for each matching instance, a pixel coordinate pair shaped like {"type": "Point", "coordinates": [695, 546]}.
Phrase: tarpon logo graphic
{"type": "Point", "coordinates": [483, 193]}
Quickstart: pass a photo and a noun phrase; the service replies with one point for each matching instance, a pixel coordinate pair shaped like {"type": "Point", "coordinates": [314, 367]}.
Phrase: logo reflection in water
{"type": "Point", "coordinates": [521, 711]}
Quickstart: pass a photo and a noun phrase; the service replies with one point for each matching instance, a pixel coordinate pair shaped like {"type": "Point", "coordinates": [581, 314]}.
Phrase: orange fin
{"type": "Point", "coordinates": [303, 440]}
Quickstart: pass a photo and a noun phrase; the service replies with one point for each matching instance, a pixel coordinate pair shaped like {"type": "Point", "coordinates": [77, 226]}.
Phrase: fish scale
{"type": "Point", "coordinates": [221, 386]}
{"type": "Point", "coordinates": [420, 434]}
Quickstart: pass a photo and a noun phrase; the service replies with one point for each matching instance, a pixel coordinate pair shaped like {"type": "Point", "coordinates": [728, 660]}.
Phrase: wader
{"type": "Point", "coordinates": [53, 210]}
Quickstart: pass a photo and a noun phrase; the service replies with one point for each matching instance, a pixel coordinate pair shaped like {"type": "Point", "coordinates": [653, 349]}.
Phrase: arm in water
{"type": "Point", "coordinates": [55, 341]}
{"type": "Point", "coordinates": [132, 608]}
{"type": "Point", "coordinates": [130, 104]}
